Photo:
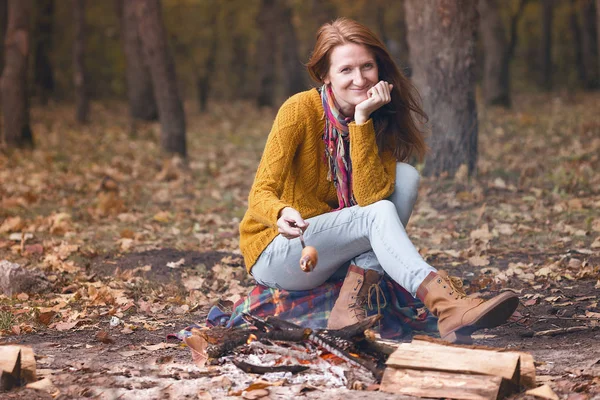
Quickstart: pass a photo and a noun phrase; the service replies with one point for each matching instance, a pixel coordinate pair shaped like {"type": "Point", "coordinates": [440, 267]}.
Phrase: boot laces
{"type": "Point", "coordinates": [379, 296]}
{"type": "Point", "coordinates": [456, 284]}
{"type": "Point", "coordinates": [380, 301]}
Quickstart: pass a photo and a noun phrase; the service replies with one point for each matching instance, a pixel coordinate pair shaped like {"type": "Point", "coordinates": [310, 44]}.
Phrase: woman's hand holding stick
{"type": "Point", "coordinates": [291, 225]}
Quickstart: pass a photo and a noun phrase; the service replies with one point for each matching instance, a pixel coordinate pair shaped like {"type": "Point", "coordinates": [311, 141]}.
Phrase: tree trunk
{"type": "Point", "coordinates": [546, 45]}
{"type": "Point", "coordinates": [498, 51]}
{"type": "Point", "coordinates": [13, 84]}
{"type": "Point", "coordinates": [82, 104]}
{"type": "Point", "coordinates": [3, 23]}
{"type": "Point", "coordinates": [242, 68]}
{"type": "Point", "coordinates": [576, 32]}
{"type": "Point", "coordinates": [399, 46]}
{"type": "Point", "coordinates": [142, 104]}
{"type": "Point", "coordinates": [203, 81]}
{"type": "Point", "coordinates": [496, 82]}
{"type": "Point", "coordinates": [164, 80]}
{"type": "Point", "coordinates": [441, 37]}
{"type": "Point", "coordinates": [589, 44]}
{"type": "Point", "coordinates": [267, 23]}
{"type": "Point", "coordinates": [294, 77]}
{"type": "Point", "coordinates": [43, 75]}
{"type": "Point", "coordinates": [598, 32]}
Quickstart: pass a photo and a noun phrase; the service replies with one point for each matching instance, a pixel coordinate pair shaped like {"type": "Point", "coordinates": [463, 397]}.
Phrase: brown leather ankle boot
{"type": "Point", "coordinates": [458, 315]}
{"type": "Point", "coordinates": [349, 307]}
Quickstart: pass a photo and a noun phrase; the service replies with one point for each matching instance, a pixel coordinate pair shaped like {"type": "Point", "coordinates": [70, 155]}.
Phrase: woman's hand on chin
{"type": "Point", "coordinates": [378, 96]}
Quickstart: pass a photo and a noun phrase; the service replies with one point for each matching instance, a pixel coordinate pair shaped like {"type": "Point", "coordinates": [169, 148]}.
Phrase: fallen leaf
{"type": "Point", "coordinates": [544, 391]}
{"type": "Point", "coordinates": [499, 183]}
{"type": "Point", "coordinates": [193, 282]}
{"type": "Point", "coordinates": [505, 229]}
{"type": "Point", "coordinates": [12, 224]}
{"type": "Point", "coordinates": [591, 314]}
{"type": "Point", "coordinates": [127, 234]}
{"type": "Point", "coordinates": [162, 216]}
{"type": "Point", "coordinates": [158, 346]}
{"type": "Point", "coordinates": [125, 244]}
{"type": "Point", "coordinates": [176, 264]}
{"type": "Point", "coordinates": [483, 233]}
{"type": "Point", "coordinates": [552, 299]}
{"type": "Point", "coordinates": [128, 329]}
{"type": "Point", "coordinates": [197, 345]}
{"type": "Point", "coordinates": [479, 261]}
{"type": "Point", "coordinates": [544, 271]}
{"type": "Point", "coordinates": [65, 326]}
{"type": "Point", "coordinates": [220, 381]}
{"type": "Point", "coordinates": [23, 296]}
{"type": "Point", "coordinates": [204, 395]}
{"type": "Point", "coordinates": [452, 253]}
{"type": "Point", "coordinates": [255, 394]}
{"type": "Point", "coordinates": [104, 337]}
{"type": "Point", "coordinates": [44, 385]}
{"type": "Point", "coordinates": [46, 317]}
{"type": "Point", "coordinates": [34, 249]}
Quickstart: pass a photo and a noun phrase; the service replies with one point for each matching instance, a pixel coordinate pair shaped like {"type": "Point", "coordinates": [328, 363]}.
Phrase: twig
{"type": "Point", "coordinates": [562, 331]}
{"type": "Point", "coordinates": [259, 369]}
{"type": "Point", "coordinates": [325, 343]}
{"type": "Point", "coordinates": [284, 351]}
{"type": "Point", "coordinates": [574, 318]}
{"type": "Point", "coordinates": [357, 329]}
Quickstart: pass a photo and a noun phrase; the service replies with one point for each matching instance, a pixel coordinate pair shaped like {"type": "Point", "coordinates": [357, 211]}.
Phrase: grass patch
{"type": "Point", "coordinates": [7, 320]}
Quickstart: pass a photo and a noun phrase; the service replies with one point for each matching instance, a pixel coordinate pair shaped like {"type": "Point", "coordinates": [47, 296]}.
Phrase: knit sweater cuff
{"type": "Point", "coordinates": [365, 128]}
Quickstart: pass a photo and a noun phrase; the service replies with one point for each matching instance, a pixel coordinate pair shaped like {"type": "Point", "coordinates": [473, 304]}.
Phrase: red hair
{"type": "Point", "coordinates": [395, 126]}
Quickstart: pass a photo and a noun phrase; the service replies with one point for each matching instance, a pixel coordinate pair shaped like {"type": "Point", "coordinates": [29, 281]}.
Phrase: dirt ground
{"type": "Point", "coordinates": [133, 366]}
{"type": "Point", "coordinates": [137, 246]}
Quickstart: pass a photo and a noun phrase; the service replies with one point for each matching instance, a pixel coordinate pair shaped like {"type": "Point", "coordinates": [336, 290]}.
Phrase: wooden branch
{"type": "Point", "coordinates": [221, 349]}
{"type": "Point", "coordinates": [257, 322]}
{"type": "Point", "coordinates": [382, 346]}
{"type": "Point", "coordinates": [330, 346]}
{"type": "Point", "coordinates": [356, 330]}
{"type": "Point", "coordinates": [573, 318]}
{"type": "Point", "coordinates": [562, 331]}
{"type": "Point", "coordinates": [281, 324]}
{"type": "Point", "coordinates": [284, 351]}
{"type": "Point", "coordinates": [228, 340]}
{"type": "Point", "coordinates": [259, 369]}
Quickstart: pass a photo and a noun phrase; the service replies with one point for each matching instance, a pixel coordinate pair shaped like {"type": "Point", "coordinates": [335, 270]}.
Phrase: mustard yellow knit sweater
{"type": "Point", "coordinates": [293, 172]}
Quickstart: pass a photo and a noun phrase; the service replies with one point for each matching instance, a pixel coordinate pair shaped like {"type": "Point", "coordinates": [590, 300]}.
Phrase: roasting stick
{"type": "Point", "coordinates": [302, 240]}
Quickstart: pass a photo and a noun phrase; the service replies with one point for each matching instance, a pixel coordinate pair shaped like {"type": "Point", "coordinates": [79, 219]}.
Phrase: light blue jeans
{"type": "Point", "coordinates": [371, 237]}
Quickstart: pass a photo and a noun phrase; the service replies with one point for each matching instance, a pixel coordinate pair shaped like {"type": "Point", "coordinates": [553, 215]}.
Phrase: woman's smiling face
{"type": "Point", "coordinates": [352, 72]}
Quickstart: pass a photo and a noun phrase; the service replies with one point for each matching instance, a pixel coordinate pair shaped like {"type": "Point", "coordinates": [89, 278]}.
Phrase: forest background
{"type": "Point", "coordinates": [131, 132]}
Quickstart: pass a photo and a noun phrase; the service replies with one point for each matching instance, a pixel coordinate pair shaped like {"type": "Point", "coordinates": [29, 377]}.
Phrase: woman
{"type": "Point", "coordinates": [330, 171]}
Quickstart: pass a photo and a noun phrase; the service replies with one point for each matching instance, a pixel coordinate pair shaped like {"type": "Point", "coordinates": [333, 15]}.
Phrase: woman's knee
{"type": "Point", "coordinates": [382, 208]}
{"type": "Point", "coordinates": [407, 177]}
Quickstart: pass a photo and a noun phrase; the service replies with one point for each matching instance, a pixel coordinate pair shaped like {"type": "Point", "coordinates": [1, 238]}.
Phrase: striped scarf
{"type": "Point", "coordinates": [337, 149]}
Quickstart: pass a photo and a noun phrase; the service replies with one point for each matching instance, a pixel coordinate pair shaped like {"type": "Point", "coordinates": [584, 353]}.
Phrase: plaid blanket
{"type": "Point", "coordinates": [402, 313]}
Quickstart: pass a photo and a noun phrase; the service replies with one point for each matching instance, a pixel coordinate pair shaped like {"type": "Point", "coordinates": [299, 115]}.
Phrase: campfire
{"type": "Point", "coordinates": [295, 345]}
{"type": "Point", "coordinates": [356, 358]}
